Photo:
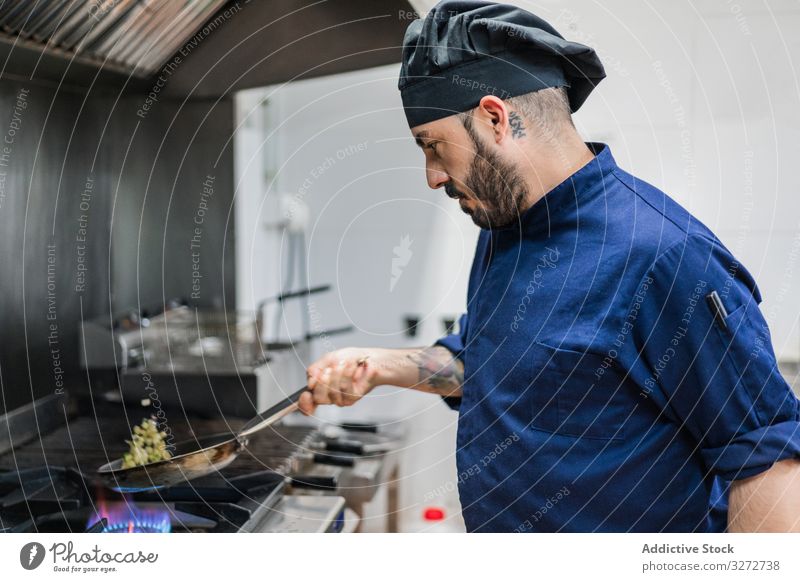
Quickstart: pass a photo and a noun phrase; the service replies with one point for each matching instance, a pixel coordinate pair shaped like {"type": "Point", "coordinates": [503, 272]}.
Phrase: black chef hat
{"type": "Point", "coordinates": [464, 50]}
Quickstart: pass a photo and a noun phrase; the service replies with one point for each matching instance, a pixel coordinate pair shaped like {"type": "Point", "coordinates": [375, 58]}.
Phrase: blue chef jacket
{"type": "Point", "coordinates": [601, 391]}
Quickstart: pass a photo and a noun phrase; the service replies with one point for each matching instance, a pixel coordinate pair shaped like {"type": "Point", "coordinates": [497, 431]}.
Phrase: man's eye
{"type": "Point", "coordinates": [433, 145]}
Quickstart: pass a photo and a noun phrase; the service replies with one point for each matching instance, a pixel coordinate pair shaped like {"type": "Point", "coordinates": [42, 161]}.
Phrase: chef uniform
{"type": "Point", "coordinates": [618, 374]}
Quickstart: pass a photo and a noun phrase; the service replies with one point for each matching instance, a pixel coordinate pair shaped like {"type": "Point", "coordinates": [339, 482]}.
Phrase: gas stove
{"type": "Point", "coordinates": [47, 483]}
{"type": "Point", "coordinates": [62, 499]}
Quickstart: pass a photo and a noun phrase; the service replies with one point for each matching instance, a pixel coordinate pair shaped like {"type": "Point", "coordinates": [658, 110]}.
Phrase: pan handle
{"type": "Point", "coordinates": [335, 460]}
{"type": "Point", "coordinates": [323, 482]}
{"type": "Point", "coordinates": [344, 446]}
{"type": "Point", "coordinates": [271, 415]}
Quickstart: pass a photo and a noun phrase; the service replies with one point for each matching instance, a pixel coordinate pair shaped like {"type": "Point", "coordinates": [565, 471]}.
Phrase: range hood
{"type": "Point", "coordinates": [126, 43]}
{"type": "Point", "coordinates": [125, 36]}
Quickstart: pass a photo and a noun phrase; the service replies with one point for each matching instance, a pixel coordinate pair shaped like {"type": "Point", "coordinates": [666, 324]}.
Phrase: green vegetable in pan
{"type": "Point", "coordinates": [147, 446]}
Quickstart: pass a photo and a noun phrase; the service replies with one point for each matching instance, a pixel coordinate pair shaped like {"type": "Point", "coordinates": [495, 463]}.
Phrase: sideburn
{"type": "Point", "coordinates": [495, 182]}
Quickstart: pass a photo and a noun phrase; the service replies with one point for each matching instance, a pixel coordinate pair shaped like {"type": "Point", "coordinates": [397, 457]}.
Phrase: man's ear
{"type": "Point", "coordinates": [494, 114]}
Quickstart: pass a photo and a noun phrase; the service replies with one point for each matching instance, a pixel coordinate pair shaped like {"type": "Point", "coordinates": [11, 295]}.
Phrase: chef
{"type": "Point", "coordinates": [612, 371]}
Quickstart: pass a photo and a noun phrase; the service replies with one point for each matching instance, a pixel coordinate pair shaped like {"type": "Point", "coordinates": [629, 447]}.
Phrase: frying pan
{"type": "Point", "coordinates": [195, 457]}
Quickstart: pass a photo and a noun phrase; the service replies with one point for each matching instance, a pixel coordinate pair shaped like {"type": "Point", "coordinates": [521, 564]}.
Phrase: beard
{"type": "Point", "coordinates": [496, 184]}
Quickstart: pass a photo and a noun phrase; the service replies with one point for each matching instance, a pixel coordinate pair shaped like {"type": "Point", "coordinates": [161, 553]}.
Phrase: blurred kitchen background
{"type": "Point", "coordinates": [235, 152]}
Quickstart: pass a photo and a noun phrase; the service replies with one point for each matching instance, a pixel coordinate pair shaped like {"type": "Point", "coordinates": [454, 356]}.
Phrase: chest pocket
{"type": "Point", "coordinates": [578, 394]}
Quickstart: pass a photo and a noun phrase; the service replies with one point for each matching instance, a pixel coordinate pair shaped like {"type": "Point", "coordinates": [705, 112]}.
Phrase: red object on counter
{"type": "Point", "coordinates": [433, 514]}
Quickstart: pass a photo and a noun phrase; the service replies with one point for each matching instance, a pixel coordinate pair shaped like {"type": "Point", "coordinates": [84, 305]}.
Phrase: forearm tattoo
{"type": "Point", "coordinates": [439, 369]}
{"type": "Point", "coordinates": [517, 125]}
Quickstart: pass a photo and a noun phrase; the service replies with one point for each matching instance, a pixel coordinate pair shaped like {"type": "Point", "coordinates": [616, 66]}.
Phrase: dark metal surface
{"type": "Point", "coordinates": [266, 43]}
{"type": "Point", "coordinates": [27, 422]}
{"type": "Point", "coordinates": [147, 181]}
{"type": "Point", "coordinates": [218, 47]}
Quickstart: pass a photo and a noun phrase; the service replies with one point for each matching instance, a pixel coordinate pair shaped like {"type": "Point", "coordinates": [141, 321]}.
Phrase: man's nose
{"type": "Point", "coordinates": [436, 178]}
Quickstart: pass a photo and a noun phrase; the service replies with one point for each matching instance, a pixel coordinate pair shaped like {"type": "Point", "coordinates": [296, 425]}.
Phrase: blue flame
{"type": "Point", "coordinates": [141, 526]}
{"type": "Point", "coordinates": [126, 517]}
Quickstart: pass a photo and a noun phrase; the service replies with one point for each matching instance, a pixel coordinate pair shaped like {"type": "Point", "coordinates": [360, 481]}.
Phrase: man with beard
{"type": "Point", "coordinates": [613, 371]}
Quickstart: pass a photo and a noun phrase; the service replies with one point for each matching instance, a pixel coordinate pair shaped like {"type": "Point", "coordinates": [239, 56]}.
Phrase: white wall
{"type": "Point", "coordinates": [347, 152]}
{"type": "Point", "coordinates": [701, 100]}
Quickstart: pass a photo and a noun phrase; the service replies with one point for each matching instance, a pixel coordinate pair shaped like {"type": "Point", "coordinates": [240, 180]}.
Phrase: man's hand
{"type": "Point", "coordinates": [345, 376]}
{"type": "Point", "coordinates": [767, 502]}
{"type": "Point", "coordinates": [341, 377]}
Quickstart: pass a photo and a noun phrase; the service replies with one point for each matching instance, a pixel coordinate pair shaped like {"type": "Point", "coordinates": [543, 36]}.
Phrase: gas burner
{"type": "Point", "coordinates": [59, 499]}
{"type": "Point", "coordinates": [128, 517]}
{"type": "Point", "coordinates": [47, 483]}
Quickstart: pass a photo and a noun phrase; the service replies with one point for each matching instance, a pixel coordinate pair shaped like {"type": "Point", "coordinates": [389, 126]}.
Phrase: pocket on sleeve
{"type": "Point", "coordinates": [747, 345]}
